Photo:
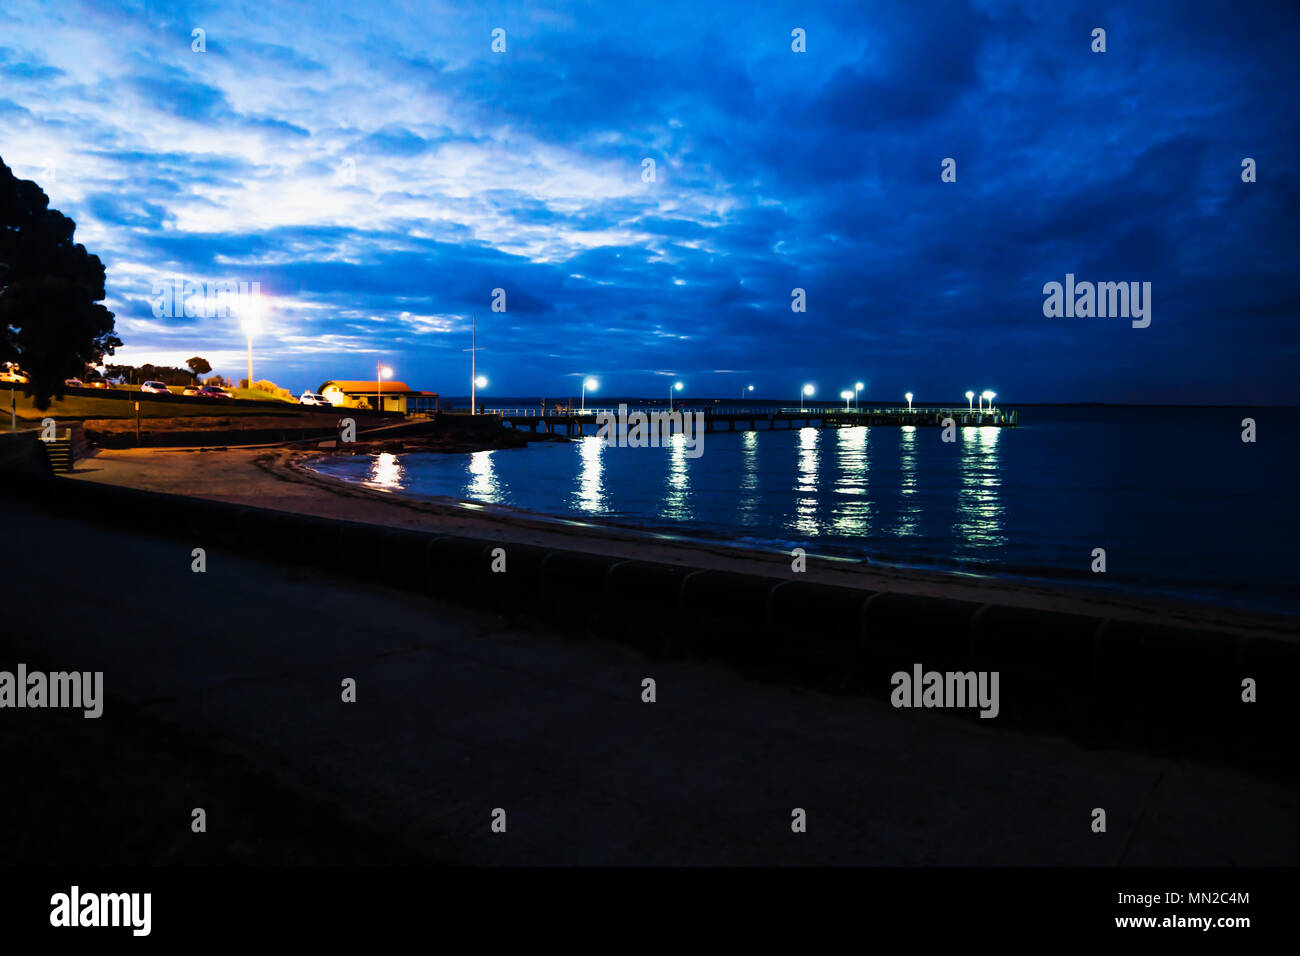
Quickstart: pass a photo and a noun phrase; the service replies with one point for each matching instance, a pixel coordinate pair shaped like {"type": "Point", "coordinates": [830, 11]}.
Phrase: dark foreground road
{"type": "Point", "coordinates": [460, 712]}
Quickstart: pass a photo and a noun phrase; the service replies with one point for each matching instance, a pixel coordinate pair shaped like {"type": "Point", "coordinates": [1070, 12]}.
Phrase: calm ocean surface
{"type": "Point", "coordinates": [1181, 505]}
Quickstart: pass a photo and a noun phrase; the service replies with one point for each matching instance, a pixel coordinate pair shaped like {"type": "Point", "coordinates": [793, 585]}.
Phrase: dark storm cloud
{"type": "Point", "coordinates": [384, 171]}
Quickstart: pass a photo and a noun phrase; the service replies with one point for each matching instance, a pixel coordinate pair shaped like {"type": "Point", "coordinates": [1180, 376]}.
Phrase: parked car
{"type": "Point", "coordinates": [74, 383]}
{"type": "Point", "coordinates": [212, 391]}
{"type": "Point", "coordinates": [313, 398]}
{"type": "Point", "coordinates": [12, 373]}
{"type": "Point", "coordinates": [155, 388]}
{"type": "Point", "coordinates": [192, 390]}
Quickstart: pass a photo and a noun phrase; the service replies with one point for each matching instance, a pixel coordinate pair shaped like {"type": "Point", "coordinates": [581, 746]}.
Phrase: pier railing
{"type": "Point", "coordinates": [958, 415]}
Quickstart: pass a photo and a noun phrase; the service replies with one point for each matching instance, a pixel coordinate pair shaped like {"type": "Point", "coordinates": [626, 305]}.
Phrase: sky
{"type": "Point", "coordinates": [378, 169]}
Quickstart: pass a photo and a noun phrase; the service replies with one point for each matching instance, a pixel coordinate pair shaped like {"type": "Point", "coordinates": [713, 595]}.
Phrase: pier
{"type": "Point", "coordinates": [575, 423]}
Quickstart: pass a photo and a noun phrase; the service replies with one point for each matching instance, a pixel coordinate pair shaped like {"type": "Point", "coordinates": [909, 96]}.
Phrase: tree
{"type": "Point", "coordinates": [51, 319]}
{"type": "Point", "coordinates": [275, 391]}
{"type": "Point", "coordinates": [167, 374]}
{"type": "Point", "coordinates": [199, 366]}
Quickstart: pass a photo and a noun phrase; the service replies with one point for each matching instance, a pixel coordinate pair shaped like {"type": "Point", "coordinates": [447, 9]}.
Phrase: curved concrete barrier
{"type": "Point", "coordinates": [900, 630]}
{"type": "Point", "coordinates": [1174, 690]}
{"type": "Point", "coordinates": [725, 614]}
{"type": "Point", "coordinates": [816, 631]}
{"type": "Point", "coordinates": [572, 586]}
{"type": "Point", "coordinates": [643, 604]}
{"type": "Point", "coordinates": [521, 585]}
{"type": "Point", "coordinates": [1043, 660]}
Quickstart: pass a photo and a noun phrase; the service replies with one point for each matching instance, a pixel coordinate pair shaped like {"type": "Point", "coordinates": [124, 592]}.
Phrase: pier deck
{"type": "Point", "coordinates": [716, 418]}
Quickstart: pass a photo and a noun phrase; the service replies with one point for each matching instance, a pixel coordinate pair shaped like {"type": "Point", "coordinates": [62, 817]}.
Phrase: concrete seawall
{"type": "Point", "coordinates": [1101, 682]}
{"type": "Point", "coordinates": [22, 457]}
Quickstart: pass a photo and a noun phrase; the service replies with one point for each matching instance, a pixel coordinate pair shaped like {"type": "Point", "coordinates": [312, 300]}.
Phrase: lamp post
{"type": "Point", "coordinates": [908, 396]}
{"type": "Point", "coordinates": [587, 383]}
{"type": "Point", "coordinates": [381, 373]}
{"type": "Point", "coordinates": [990, 396]}
{"type": "Point", "coordinates": [807, 390]}
{"type": "Point", "coordinates": [970, 401]}
{"type": "Point", "coordinates": [846, 395]}
{"type": "Point", "coordinates": [473, 367]}
{"type": "Point", "coordinates": [747, 388]}
{"type": "Point", "coordinates": [252, 322]}
{"type": "Point", "coordinates": [857, 387]}
{"type": "Point", "coordinates": [676, 385]}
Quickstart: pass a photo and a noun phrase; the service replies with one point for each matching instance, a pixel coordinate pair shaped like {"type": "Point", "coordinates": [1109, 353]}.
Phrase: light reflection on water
{"type": "Point", "coordinates": [909, 509]}
{"type": "Point", "coordinates": [483, 484]}
{"type": "Point", "coordinates": [750, 501]}
{"type": "Point", "coordinates": [807, 484]}
{"type": "Point", "coordinates": [978, 523]}
{"type": "Point", "coordinates": [851, 504]}
{"type": "Point", "coordinates": [590, 496]}
{"type": "Point", "coordinates": [385, 472]}
{"type": "Point", "coordinates": [677, 489]}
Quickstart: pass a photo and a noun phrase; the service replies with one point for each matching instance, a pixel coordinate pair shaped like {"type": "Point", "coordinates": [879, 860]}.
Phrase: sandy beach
{"type": "Point", "coordinates": [463, 709]}
{"type": "Point", "coordinates": [279, 478]}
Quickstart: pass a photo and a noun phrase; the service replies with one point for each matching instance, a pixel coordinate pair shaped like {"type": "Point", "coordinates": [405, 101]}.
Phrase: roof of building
{"type": "Point", "coordinates": [369, 388]}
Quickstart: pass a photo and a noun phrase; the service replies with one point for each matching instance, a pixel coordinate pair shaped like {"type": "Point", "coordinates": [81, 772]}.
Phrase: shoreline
{"type": "Point", "coordinates": [279, 479]}
{"type": "Point", "coordinates": [1183, 595]}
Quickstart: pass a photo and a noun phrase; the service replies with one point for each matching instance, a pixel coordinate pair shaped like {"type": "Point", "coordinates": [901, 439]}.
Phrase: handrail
{"type": "Point", "coordinates": [815, 411]}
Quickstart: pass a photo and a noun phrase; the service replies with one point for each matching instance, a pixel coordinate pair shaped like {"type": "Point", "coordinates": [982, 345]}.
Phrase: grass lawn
{"type": "Point", "coordinates": [92, 406]}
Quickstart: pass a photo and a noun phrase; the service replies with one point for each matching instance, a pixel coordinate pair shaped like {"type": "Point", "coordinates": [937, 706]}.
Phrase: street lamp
{"type": "Point", "coordinates": [748, 388]}
{"type": "Point", "coordinates": [588, 383]}
{"type": "Point", "coordinates": [252, 323]}
{"type": "Point", "coordinates": [908, 396]}
{"type": "Point", "coordinates": [676, 385]}
{"type": "Point", "coordinates": [990, 396]}
{"type": "Point", "coordinates": [807, 390]}
{"type": "Point", "coordinates": [381, 372]}
{"type": "Point", "coordinates": [857, 387]}
{"type": "Point", "coordinates": [846, 395]}
{"type": "Point", "coordinates": [970, 401]}
{"type": "Point", "coordinates": [473, 351]}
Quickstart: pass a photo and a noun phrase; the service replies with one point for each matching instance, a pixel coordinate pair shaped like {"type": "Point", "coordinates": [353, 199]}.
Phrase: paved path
{"type": "Point", "coordinates": [460, 712]}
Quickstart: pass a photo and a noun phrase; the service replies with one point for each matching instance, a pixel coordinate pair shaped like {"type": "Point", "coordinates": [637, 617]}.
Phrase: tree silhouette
{"type": "Point", "coordinates": [51, 322]}
{"type": "Point", "coordinates": [199, 366]}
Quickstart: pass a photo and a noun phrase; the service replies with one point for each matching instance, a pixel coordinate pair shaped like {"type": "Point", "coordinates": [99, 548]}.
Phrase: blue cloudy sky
{"type": "Point", "coordinates": [379, 170]}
